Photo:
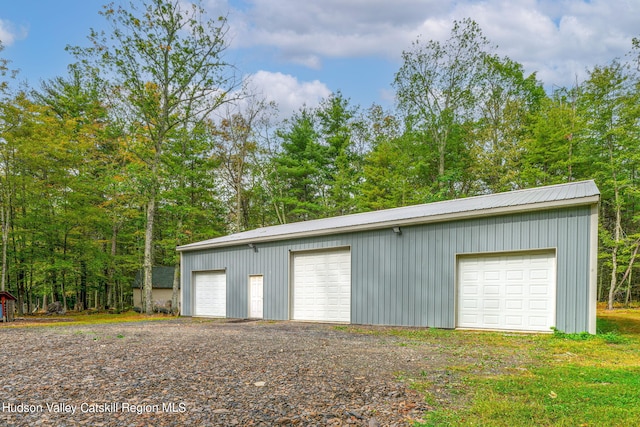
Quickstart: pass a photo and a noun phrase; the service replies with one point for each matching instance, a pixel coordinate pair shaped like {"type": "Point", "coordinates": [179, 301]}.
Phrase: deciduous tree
{"type": "Point", "coordinates": [165, 61]}
{"type": "Point", "coordinates": [438, 86]}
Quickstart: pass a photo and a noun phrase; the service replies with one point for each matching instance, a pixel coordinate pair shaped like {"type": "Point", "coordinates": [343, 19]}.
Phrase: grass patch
{"type": "Point", "coordinates": [82, 319]}
{"type": "Point", "coordinates": [551, 396]}
{"type": "Point", "coordinates": [572, 380]}
{"type": "Point", "coordinates": [510, 379]}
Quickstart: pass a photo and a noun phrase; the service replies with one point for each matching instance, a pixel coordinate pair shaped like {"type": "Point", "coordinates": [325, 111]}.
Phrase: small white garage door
{"type": "Point", "coordinates": [210, 297]}
{"type": "Point", "coordinates": [321, 286]}
{"type": "Point", "coordinates": [507, 292]}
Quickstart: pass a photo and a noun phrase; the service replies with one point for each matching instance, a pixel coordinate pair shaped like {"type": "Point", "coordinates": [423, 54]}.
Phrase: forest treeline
{"type": "Point", "coordinates": [151, 142]}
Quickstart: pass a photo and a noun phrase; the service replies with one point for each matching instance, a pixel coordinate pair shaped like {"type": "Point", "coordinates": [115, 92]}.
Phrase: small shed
{"type": "Point", "coordinates": [162, 287]}
{"type": "Point", "coordinates": [7, 306]}
{"type": "Point", "coordinates": [522, 260]}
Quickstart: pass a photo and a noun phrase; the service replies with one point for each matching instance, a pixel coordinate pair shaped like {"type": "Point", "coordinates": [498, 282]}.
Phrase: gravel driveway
{"type": "Point", "coordinates": [197, 372]}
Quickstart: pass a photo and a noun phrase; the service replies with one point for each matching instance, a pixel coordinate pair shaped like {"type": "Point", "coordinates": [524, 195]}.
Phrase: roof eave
{"type": "Point", "coordinates": [556, 204]}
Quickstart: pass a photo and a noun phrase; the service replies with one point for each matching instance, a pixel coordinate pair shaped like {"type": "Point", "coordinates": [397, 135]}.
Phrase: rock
{"type": "Point", "coordinates": [55, 308]}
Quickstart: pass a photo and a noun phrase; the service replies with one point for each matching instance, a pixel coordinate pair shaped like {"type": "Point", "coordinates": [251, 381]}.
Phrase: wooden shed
{"type": "Point", "coordinates": [162, 288]}
{"type": "Point", "coordinates": [7, 306]}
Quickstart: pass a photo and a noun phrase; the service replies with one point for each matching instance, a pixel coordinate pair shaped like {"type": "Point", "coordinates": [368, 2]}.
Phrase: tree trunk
{"type": "Point", "coordinates": [614, 252]}
{"type": "Point", "coordinates": [5, 240]}
{"type": "Point", "coordinates": [175, 309]}
{"type": "Point", "coordinates": [64, 292]}
{"type": "Point", "coordinates": [239, 227]}
{"type": "Point", "coordinates": [627, 273]}
{"type": "Point", "coordinates": [148, 255]}
{"type": "Point", "coordinates": [111, 299]}
{"type": "Point", "coordinates": [627, 297]}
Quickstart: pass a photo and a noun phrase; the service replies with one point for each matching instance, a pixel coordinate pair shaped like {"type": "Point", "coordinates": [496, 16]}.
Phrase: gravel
{"type": "Point", "coordinates": [204, 372]}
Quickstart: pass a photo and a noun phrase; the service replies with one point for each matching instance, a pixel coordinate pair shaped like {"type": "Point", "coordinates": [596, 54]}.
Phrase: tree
{"type": "Point", "coordinates": [236, 144]}
{"type": "Point", "coordinates": [298, 172]}
{"type": "Point", "coordinates": [5, 214]}
{"type": "Point", "coordinates": [166, 64]}
{"type": "Point", "coordinates": [337, 125]}
{"type": "Point", "coordinates": [507, 103]}
{"type": "Point", "coordinates": [396, 173]}
{"type": "Point", "coordinates": [77, 100]}
{"type": "Point", "coordinates": [437, 86]}
{"type": "Point", "coordinates": [549, 153]}
{"type": "Point", "coordinates": [609, 143]}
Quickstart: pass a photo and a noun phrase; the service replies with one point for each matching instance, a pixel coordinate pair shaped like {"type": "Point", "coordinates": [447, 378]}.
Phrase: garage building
{"type": "Point", "coordinates": [519, 261]}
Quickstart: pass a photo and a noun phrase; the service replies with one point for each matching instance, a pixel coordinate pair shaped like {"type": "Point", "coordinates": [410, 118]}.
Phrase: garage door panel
{"type": "Point", "coordinates": [513, 291]}
{"type": "Point", "coordinates": [469, 303]}
{"type": "Point", "coordinates": [491, 319]}
{"type": "Point", "coordinates": [491, 290]}
{"type": "Point", "coordinates": [515, 275]}
{"type": "Point", "coordinates": [514, 322]}
{"type": "Point", "coordinates": [539, 274]}
{"type": "Point", "coordinates": [511, 304]}
{"type": "Point", "coordinates": [492, 304]}
{"type": "Point", "coordinates": [540, 321]}
{"type": "Point", "coordinates": [321, 286]}
{"type": "Point", "coordinates": [539, 290]}
{"type": "Point", "coordinates": [539, 305]}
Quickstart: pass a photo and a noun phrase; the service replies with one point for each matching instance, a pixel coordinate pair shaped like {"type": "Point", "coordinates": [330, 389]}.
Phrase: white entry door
{"type": "Point", "coordinates": [256, 300]}
{"type": "Point", "coordinates": [515, 291]}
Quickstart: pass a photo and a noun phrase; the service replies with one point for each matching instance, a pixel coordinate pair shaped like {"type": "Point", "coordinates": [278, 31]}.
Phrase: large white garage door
{"type": "Point", "coordinates": [321, 286]}
{"type": "Point", "coordinates": [509, 292]}
{"type": "Point", "coordinates": [210, 297]}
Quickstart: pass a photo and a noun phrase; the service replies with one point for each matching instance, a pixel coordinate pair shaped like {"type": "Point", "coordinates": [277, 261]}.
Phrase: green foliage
{"type": "Point", "coordinates": [437, 88]}
{"type": "Point", "coordinates": [86, 157]}
{"type": "Point", "coordinates": [581, 336]}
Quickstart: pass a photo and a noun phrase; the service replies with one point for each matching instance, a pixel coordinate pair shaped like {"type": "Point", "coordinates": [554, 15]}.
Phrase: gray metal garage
{"type": "Point", "coordinates": [522, 260]}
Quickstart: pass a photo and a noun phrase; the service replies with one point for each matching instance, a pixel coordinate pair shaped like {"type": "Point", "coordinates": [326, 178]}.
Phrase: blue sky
{"type": "Point", "coordinates": [297, 52]}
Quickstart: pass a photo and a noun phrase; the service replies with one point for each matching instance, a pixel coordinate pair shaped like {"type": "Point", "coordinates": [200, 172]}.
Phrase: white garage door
{"type": "Point", "coordinates": [508, 292]}
{"type": "Point", "coordinates": [321, 288]}
{"type": "Point", "coordinates": [210, 297]}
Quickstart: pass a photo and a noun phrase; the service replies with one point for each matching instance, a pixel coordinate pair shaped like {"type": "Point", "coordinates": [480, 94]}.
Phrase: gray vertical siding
{"type": "Point", "coordinates": [409, 279]}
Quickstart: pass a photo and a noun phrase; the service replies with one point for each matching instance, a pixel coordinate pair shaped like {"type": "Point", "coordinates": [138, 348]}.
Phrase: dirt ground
{"type": "Point", "coordinates": [200, 372]}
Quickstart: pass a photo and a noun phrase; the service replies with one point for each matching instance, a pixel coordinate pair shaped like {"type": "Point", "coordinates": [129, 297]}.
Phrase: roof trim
{"type": "Point", "coordinates": [592, 197]}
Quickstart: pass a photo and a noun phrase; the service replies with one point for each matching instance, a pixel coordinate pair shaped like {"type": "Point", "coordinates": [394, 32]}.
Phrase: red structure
{"type": "Point", "coordinates": [7, 305]}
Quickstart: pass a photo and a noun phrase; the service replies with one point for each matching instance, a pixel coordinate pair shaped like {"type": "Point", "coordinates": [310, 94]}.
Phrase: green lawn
{"type": "Point", "coordinates": [570, 380]}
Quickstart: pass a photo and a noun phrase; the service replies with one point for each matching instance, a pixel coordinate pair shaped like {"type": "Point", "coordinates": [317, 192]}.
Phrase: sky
{"type": "Point", "coordinates": [298, 52]}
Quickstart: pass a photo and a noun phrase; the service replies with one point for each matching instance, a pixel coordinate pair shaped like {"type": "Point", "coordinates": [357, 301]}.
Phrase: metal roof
{"type": "Point", "coordinates": [553, 196]}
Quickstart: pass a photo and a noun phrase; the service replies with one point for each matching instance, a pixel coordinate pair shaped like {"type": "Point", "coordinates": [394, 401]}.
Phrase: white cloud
{"type": "Point", "coordinates": [286, 91]}
{"type": "Point", "coordinates": [9, 33]}
{"type": "Point", "coordinates": [557, 39]}
{"type": "Point", "coordinates": [330, 28]}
